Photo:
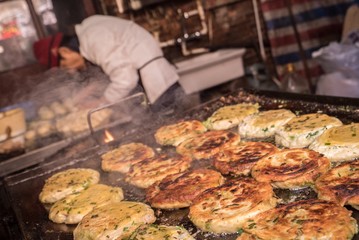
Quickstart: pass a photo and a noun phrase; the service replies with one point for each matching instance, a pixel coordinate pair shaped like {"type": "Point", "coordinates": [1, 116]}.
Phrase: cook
{"type": "Point", "coordinates": [126, 52]}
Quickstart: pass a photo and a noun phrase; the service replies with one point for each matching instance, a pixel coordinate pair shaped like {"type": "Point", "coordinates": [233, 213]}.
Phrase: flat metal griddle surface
{"type": "Point", "coordinates": [24, 188]}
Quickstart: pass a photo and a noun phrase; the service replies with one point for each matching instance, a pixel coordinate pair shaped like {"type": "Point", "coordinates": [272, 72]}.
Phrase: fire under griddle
{"type": "Point", "coordinates": [24, 188]}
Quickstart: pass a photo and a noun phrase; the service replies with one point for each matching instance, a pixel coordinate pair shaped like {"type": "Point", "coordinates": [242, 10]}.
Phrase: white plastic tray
{"type": "Point", "coordinates": [210, 69]}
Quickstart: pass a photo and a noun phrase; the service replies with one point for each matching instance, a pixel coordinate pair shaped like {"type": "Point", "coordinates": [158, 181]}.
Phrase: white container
{"type": "Point", "coordinates": [12, 121]}
{"type": "Point", "coordinates": [210, 69]}
{"type": "Point", "coordinates": [12, 129]}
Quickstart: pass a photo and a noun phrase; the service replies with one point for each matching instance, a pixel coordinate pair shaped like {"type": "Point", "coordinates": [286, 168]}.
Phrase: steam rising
{"type": "Point", "coordinates": [59, 85]}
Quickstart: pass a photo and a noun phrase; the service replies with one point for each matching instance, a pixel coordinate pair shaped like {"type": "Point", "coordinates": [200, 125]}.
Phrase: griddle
{"type": "Point", "coordinates": [23, 188]}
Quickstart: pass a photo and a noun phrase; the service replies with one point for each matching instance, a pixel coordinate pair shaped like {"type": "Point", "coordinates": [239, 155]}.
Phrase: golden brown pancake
{"type": "Point", "coordinates": [230, 116]}
{"type": "Point", "coordinates": [340, 184]}
{"type": "Point", "coordinates": [239, 158]}
{"type": "Point", "coordinates": [161, 232]}
{"type": "Point", "coordinates": [245, 236]}
{"type": "Point", "coordinates": [307, 219]}
{"type": "Point", "coordinates": [122, 158]}
{"type": "Point", "coordinates": [114, 221]}
{"type": "Point", "coordinates": [302, 130]}
{"type": "Point", "coordinates": [205, 145]}
{"type": "Point", "coordinates": [176, 133]}
{"type": "Point", "coordinates": [74, 207]}
{"type": "Point", "coordinates": [339, 144]}
{"type": "Point", "coordinates": [226, 208]}
{"type": "Point", "coordinates": [264, 124]}
{"type": "Point", "coordinates": [68, 182]}
{"type": "Point", "coordinates": [179, 190]}
{"type": "Point", "coordinates": [291, 168]}
{"type": "Point", "coordinates": [151, 170]}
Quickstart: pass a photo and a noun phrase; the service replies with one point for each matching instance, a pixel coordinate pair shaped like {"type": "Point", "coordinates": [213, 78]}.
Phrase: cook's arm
{"type": "Point", "coordinates": [124, 79]}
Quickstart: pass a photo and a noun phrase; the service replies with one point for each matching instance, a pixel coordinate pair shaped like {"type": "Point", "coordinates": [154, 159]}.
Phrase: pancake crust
{"type": "Point", "coordinates": [291, 168]}
{"type": "Point", "coordinates": [158, 232]}
{"type": "Point", "coordinates": [114, 221]}
{"type": "Point", "coordinates": [205, 145]}
{"type": "Point", "coordinates": [151, 170]}
{"type": "Point", "coordinates": [301, 131]}
{"type": "Point", "coordinates": [308, 219]}
{"type": "Point", "coordinates": [67, 182]}
{"type": "Point", "coordinates": [340, 184]}
{"type": "Point", "coordinates": [339, 144]}
{"type": "Point", "coordinates": [230, 116]}
{"type": "Point", "coordinates": [176, 133]}
{"type": "Point", "coordinates": [226, 208]}
{"type": "Point", "coordinates": [73, 208]}
{"type": "Point", "coordinates": [122, 158]}
{"type": "Point", "coordinates": [239, 158]}
{"type": "Point", "coordinates": [245, 236]}
{"type": "Point", "coordinates": [179, 190]}
{"type": "Point", "coordinates": [264, 124]}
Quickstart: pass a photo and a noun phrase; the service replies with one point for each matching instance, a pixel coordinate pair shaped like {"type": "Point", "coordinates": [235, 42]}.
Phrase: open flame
{"type": "Point", "coordinates": [108, 137]}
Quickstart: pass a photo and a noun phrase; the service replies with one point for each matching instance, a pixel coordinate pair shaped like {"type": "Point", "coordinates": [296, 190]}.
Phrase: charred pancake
{"type": "Point", "coordinates": [158, 232]}
{"type": "Point", "coordinates": [176, 133]}
{"type": "Point", "coordinates": [74, 207]}
{"type": "Point", "coordinates": [151, 170]}
{"type": "Point", "coordinates": [230, 116]}
{"type": "Point", "coordinates": [339, 144]}
{"type": "Point", "coordinates": [340, 184]}
{"type": "Point", "coordinates": [179, 190]}
{"type": "Point", "coordinates": [264, 124]}
{"type": "Point", "coordinates": [239, 158]}
{"type": "Point", "coordinates": [122, 158]}
{"type": "Point", "coordinates": [226, 208]}
{"type": "Point", "coordinates": [207, 144]}
{"type": "Point", "coordinates": [301, 131]}
{"type": "Point", "coordinates": [67, 182]}
{"type": "Point", "coordinates": [291, 168]}
{"type": "Point", "coordinates": [114, 221]}
{"type": "Point", "coordinates": [308, 219]}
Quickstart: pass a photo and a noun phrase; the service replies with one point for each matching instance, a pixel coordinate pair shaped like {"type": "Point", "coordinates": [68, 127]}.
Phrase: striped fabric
{"type": "Point", "coordinates": [318, 23]}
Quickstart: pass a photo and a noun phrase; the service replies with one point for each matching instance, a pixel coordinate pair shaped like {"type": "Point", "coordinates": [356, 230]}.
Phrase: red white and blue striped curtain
{"type": "Point", "coordinates": [318, 22]}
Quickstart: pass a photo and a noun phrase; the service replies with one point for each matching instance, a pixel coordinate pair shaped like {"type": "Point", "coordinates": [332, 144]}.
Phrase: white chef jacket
{"type": "Point", "coordinates": [121, 47]}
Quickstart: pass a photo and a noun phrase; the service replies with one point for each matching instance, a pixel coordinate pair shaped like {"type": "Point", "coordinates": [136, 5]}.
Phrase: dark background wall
{"type": "Point", "coordinates": [68, 13]}
{"type": "Point", "coordinates": [230, 23]}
